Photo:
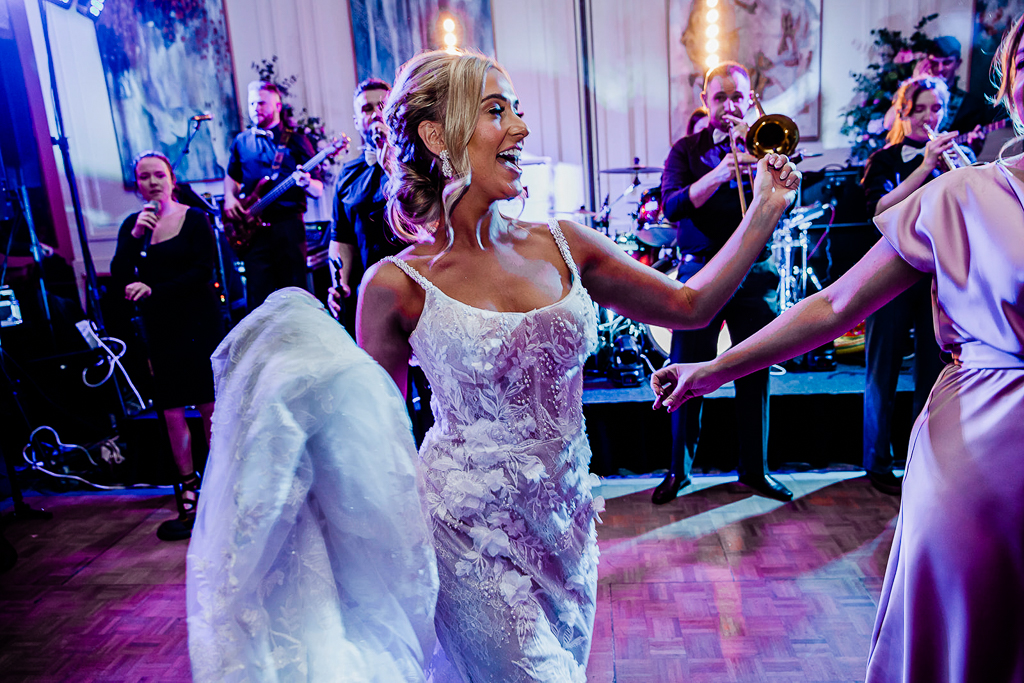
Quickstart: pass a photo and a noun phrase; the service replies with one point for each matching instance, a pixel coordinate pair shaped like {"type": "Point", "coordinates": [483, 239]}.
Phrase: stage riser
{"type": "Point", "coordinates": [805, 430]}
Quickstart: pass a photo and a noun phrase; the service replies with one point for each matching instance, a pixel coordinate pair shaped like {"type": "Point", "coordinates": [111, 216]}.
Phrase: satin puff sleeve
{"type": "Point", "coordinates": [931, 218]}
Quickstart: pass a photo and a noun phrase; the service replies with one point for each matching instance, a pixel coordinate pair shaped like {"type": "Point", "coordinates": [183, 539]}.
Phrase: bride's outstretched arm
{"type": "Point", "coordinates": [874, 281]}
{"type": "Point", "coordinates": [641, 293]}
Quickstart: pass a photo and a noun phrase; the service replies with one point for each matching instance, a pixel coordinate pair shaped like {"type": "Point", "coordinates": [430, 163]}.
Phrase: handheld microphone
{"type": "Point", "coordinates": [154, 206]}
{"type": "Point", "coordinates": [206, 116]}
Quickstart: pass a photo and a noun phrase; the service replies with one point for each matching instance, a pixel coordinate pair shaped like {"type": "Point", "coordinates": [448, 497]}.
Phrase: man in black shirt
{"type": "Point", "coordinates": [277, 257]}
{"type": "Point", "coordinates": [360, 235]}
{"type": "Point", "coordinates": [965, 111]}
{"type": "Point", "coordinates": [699, 194]}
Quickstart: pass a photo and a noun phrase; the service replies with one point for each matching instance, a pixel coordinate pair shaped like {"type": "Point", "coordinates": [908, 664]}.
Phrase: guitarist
{"type": "Point", "coordinates": [270, 149]}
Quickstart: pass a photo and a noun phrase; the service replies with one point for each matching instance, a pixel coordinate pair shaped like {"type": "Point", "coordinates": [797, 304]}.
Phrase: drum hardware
{"type": "Point", "coordinates": [789, 252]}
{"type": "Point", "coordinates": [624, 349]}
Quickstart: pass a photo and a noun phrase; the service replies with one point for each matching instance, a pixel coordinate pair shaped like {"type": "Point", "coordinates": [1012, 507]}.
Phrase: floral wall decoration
{"type": "Point", "coordinates": [164, 61]}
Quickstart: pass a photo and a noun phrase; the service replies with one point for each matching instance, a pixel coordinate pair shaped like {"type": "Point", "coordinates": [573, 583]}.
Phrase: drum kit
{"type": "Point", "coordinates": [628, 350]}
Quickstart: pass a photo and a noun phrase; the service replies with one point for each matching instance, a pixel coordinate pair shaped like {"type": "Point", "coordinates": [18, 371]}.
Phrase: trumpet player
{"type": "Point", "coordinates": [913, 157]}
{"type": "Point", "coordinates": [702, 188]}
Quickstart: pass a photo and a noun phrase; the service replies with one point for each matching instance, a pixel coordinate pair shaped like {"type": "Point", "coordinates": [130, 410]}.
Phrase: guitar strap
{"type": "Point", "coordinates": [282, 149]}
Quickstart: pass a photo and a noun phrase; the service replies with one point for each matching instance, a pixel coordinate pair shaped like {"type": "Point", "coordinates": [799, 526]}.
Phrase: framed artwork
{"type": "Point", "coordinates": [778, 41]}
{"type": "Point", "coordinates": [165, 62]}
{"type": "Point", "coordinates": [387, 33]}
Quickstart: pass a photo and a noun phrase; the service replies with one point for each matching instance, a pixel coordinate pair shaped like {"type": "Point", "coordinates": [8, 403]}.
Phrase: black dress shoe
{"type": "Point", "coordinates": [668, 489]}
{"type": "Point", "coordinates": [886, 482]}
{"type": "Point", "coordinates": [768, 486]}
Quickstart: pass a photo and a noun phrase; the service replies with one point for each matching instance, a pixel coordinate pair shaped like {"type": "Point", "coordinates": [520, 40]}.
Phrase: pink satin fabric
{"type": "Point", "coordinates": [952, 605]}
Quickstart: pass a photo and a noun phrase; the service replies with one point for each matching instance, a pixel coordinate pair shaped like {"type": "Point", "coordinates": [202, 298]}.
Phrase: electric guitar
{"type": "Point", "coordinates": [241, 233]}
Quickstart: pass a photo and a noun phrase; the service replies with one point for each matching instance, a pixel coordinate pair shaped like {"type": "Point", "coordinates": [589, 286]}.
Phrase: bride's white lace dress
{"type": "Point", "coordinates": [507, 482]}
{"type": "Point", "coordinates": [311, 558]}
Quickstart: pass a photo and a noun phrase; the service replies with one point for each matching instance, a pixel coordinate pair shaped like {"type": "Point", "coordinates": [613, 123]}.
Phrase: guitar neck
{"type": "Point", "coordinates": [985, 130]}
{"type": "Point", "coordinates": [289, 182]}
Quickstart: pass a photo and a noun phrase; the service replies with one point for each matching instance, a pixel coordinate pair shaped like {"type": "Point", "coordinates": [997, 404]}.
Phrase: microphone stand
{"type": "Point", "coordinates": [189, 136]}
{"type": "Point", "coordinates": [92, 288]}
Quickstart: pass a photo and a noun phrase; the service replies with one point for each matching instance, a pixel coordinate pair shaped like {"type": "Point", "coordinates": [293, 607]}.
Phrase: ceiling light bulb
{"type": "Point", "coordinates": [448, 25]}
{"type": "Point", "coordinates": [711, 61]}
{"type": "Point", "coordinates": [450, 39]}
{"type": "Point", "coordinates": [712, 45]}
{"type": "Point", "coordinates": [712, 16]}
{"type": "Point", "coordinates": [712, 31]}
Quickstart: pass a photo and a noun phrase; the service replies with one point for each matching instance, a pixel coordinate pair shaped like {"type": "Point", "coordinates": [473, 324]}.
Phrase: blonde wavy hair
{"type": "Point", "coordinates": [445, 88]}
{"type": "Point", "coordinates": [906, 99]}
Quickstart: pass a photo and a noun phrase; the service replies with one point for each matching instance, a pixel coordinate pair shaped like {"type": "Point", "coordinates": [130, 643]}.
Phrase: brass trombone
{"type": "Point", "coordinates": [959, 161]}
{"type": "Point", "coordinates": [770, 133]}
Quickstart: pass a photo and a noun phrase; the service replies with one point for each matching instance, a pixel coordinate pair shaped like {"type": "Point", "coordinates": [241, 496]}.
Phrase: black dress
{"type": "Point", "coordinates": [182, 316]}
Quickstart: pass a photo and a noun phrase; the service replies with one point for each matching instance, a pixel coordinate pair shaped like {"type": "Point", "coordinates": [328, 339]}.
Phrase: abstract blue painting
{"type": "Point", "coordinates": [166, 61]}
{"type": "Point", "coordinates": [389, 32]}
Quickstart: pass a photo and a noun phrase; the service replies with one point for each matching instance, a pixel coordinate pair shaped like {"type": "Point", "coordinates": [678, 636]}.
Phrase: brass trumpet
{"type": "Point", "coordinates": [959, 161]}
{"type": "Point", "coordinates": [769, 134]}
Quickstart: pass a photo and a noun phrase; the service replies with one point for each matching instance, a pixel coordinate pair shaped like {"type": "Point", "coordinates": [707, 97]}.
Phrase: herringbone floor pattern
{"type": "Point", "coordinates": [716, 586]}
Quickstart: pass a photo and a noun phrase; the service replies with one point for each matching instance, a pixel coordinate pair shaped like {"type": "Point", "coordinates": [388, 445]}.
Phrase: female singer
{"type": "Point", "coordinates": [910, 160]}
{"type": "Point", "coordinates": [953, 598]}
{"type": "Point", "coordinates": [164, 263]}
{"type": "Point", "coordinates": [499, 314]}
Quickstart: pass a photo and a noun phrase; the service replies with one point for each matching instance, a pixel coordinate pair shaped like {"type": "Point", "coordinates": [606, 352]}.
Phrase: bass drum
{"type": "Point", "coordinates": [661, 337]}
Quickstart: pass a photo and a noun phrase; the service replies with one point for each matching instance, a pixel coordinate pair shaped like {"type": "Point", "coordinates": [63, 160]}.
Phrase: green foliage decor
{"type": "Point", "coordinates": [864, 121]}
{"type": "Point", "coordinates": [301, 121]}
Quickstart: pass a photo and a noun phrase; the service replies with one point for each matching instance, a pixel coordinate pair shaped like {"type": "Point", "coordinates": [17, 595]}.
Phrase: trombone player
{"type": "Point", "coordinates": [703, 189]}
{"type": "Point", "coordinates": [913, 156]}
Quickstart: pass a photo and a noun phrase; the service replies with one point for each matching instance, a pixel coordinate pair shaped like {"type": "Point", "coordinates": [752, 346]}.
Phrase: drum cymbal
{"type": "Point", "coordinates": [633, 170]}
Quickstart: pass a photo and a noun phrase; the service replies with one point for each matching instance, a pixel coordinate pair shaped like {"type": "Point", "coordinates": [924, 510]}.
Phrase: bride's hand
{"type": "Point", "coordinates": [675, 384]}
{"type": "Point", "coordinates": [777, 178]}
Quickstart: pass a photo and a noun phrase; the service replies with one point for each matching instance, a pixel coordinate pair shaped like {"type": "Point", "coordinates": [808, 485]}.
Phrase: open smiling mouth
{"type": "Point", "coordinates": [510, 157]}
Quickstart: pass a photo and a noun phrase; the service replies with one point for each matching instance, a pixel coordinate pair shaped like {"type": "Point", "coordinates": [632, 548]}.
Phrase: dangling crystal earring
{"type": "Point", "coordinates": [446, 164]}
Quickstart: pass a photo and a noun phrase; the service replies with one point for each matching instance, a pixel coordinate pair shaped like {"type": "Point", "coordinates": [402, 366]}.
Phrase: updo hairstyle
{"type": "Point", "coordinates": [445, 88]}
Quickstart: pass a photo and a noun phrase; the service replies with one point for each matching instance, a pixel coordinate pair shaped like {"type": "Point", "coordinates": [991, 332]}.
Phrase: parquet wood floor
{"type": "Point", "coordinates": [716, 586]}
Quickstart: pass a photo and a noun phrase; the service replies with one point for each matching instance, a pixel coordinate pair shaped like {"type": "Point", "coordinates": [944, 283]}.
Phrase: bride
{"type": "Point", "coordinates": [500, 317]}
{"type": "Point", "coordinates": [310, 558]}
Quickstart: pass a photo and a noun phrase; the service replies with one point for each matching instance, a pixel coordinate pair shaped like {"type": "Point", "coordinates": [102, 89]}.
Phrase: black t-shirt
{"type": "Point", "coordinates": [360, 213]}
{"type": "Point", "coordinates": [705, 229]}
{"type": "Point", "coordinates": [252, 158]}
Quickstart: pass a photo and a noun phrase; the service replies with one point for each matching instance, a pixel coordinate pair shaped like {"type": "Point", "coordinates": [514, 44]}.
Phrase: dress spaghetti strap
{"type": "Point", "coordinates": [563, 246]}
{"type": "Point", "coordinates": [411, 272]}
